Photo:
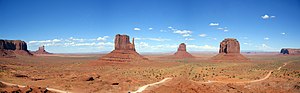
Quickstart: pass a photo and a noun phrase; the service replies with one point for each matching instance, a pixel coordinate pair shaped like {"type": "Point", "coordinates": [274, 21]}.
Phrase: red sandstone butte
{"type": "Point", "coordinates": [182, 53]}
{"type": "Point", "coordinates": [229, 50]}
{"type": "Point", "coordinates": [124, 51]}
{"type": "Point", "coordinates": [41, 50]}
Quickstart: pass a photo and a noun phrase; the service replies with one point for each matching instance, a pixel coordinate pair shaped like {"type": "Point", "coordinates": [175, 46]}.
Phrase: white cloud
{"type": "Point", "coordinates": [153, 39]}
{"type": "Point", "coordinates": [267, 17]}
{"type": "Point", "coordinates": [102, 38]}
{"type": "Point", "coordinates": [136, 29]}
{"type": "Point", "coordinates": [282, 33]}
{"type": "Point", "coordinates": [202, 35]}
{"type": "Point", "coordinates": [245, 43]}
{"type": "Point", "coordinates": [220, 28]}
{"type": "Point", "coordinates": [226, 30]}
{"type": "Point", "coordinates": [266, 38]}
{"type": "Point", "coordinates": [184, 33]}
{"type": "Point", "coordinates": [214, 24]}
{"type": "Point", "coordinates": [189, 39]}
{"type": "Point", "coordinates": [46, 41]}
{"type": "Point", "coordinates": [150, 28]}
{"type": "Point", "coordinates": [170, 27]}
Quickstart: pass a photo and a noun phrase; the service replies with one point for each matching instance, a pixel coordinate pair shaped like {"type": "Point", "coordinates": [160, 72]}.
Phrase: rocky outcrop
{"type": "Point", "coordinates": [124, 51]}
{"type": "Point", "coordinates": [182, 53]}
{"type": "Point", "coordinates": [9, 48]}
{"type": "Point", "coordinates": [291, 51]}
{"type": "Point", "coordinates": [41, 50]}
{"type": "Point", "coordinates": [229, 50]}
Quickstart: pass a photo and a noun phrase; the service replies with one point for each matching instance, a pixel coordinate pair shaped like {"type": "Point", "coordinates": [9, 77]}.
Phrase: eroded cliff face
{"type": "Point", "coordinates": [229, 50]}
{"type": "Point", "coordinates": [124, 51]}
{"type": "Point", "coordinates": [9, 48]}
{"type": "Point", "coordinates": [229, 45]}
{"type": "Point", "coordinates": [41, 50]}
{"type": "Point", "coordinates": [182, 53]}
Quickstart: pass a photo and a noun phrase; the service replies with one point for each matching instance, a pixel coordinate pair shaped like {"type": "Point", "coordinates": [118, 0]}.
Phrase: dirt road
{"type": "Point", "coordinates": [50, 89]}
{"type": "Point", "coordinates": [252, 81]}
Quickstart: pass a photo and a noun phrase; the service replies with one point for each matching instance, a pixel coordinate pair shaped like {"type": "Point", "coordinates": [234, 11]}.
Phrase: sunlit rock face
{"type": "Point", "coordinates": [229, 50]}
{"type": "Point", "coordinates": [182, 53]}
{"type": "Point", "coordinates": [124, 51]}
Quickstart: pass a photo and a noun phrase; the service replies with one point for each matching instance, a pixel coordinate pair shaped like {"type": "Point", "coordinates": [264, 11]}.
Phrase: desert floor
{"type": "Point", "coordinates": [83, 73]}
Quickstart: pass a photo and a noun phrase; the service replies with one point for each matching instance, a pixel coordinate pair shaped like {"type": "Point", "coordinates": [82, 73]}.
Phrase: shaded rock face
{"type": "Point", "coordinates": [124, 51]}
{"type": "Point", "coordinates": [229, 50]}
{"type": "Point", "coordinates": [182, 47]}
{"type": "Point", "coordinates": [229, 45]}
{"type": "Point", "coordinates": [182, 53]}
{"type": "Point", "coordinates": [8, 48]}
{"type": "Point", "coordinates": [13, 45]}
{"type": "Point", "coordinates": [41, 50]}
{"type": "Point", "coordinates": [290, 51]}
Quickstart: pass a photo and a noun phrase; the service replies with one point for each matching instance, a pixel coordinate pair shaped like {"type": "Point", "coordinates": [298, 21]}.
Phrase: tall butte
{"type": "Point", "coordinates": [11, 48]}
{"type": "Point", "coordinates": [182, 53]}
{"type": "Point", "coordinates": [229, 50]}
{"type": "Point", "coordinates": [41, 50]}
{"type": "Point", "coordinates": [124, 51]}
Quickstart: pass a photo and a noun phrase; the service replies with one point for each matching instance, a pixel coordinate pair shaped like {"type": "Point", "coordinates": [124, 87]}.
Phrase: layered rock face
{"type": "Point", "coordinates": [124, 51]}
{"type": "Point", "coordinates": [182, 53]}
{"type": "Point", "coordinates": [41, 50]}
{"type": "Point", "coordinates": [229, 50]}
{"type": "Point", "coordinates": [8, 48]}
{"type": "Point", "coordinates": [290, 51]}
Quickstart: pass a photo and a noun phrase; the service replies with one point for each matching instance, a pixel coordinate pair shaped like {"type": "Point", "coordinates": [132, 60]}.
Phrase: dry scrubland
{"type": "Point", "coordinates": [84, 73]}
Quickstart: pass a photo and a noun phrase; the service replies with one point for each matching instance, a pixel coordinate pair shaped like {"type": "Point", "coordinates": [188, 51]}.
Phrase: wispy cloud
{"type": "Point", "coordinates": [136, 29]}
{"type": "Point", "coordinates": [102, 38]}
{"type": "Point", "coordinates": [150, 28]}
{"type": "Point", "coordinates": [267, 16]}
{"type": "Point", "coordinates": [72, 42]}
{"type": "Point", "coordinates": [266, 38]}
{"type": "Point", "coordinates": [214, 24]}
{"type": "Point", "coordinates": [283, 33]}
{"type": "Point", "coordinates": [225, 29]}
{"type": "Point", "coordinates": [184, 33]}
{"type": "Point", "coordinates": [189, 39]}
{"type": "Point", "coordinates": [202, 35]}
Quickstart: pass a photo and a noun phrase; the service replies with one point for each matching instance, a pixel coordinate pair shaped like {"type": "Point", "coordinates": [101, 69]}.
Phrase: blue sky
{"type": "Point", "coordinates": [69, 26]}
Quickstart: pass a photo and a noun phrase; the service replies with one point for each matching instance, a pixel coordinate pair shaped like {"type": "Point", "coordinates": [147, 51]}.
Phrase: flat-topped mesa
{"type": "Point", "coordinates": [182, 53]}
{"type": "Point", "coordinates": [124, 51]}
{"type": "Point", "coordinates": [41, 50]}
{"type": "Point", "coordinates": [290, 51]}
{"type": "Point", "coordinates": [229, 50]}
{"type": "Point", "coordinates": [229, 45]}
{"type": "Point", "coordinates": [8, 48]}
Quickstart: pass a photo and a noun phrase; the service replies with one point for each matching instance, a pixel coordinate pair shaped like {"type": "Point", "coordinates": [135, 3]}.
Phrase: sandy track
{"type": "Point", "coordinates": [141, 89]}
{"type": "Point", "coordinates": [252, 81]}
{"type": "Point", "coordinates": [50, 89]}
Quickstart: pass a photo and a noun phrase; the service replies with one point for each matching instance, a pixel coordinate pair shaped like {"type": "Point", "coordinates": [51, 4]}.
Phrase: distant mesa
{"type": "Point", "coordinates": [124, 51]}
{"type": "Point", "coordinates": [229, 50]}
{"type": "Point", "coordinates": [41, 50]}
{"type": "Point", "coordinates": [182, 53]}
{"type": "Point", "coordinates": [11, 48]}
{"type": "Point", "coordinates": [290, 51]}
